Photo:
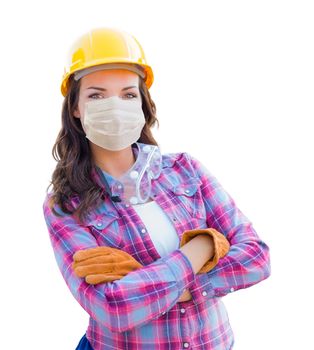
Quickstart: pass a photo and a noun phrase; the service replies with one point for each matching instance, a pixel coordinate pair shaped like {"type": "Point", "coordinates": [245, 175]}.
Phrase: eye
{"type": "Point", "coordinates": [96, 96]}
{"type": "Point", "coordinates": [130, 95]}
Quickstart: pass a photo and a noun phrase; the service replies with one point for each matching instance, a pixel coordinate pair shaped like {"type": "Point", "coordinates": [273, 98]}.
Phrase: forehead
{"type": "Point", "coordinates": [110, 78]}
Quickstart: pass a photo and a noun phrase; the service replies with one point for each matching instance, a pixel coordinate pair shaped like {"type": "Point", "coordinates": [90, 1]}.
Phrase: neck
{"type": "Point", "coordinates": [114, 163]}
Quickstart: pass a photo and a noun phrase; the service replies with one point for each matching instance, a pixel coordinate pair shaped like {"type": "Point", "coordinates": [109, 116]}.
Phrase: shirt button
{"type": "Point", "coordinates": [119, 187]}
{"type": "Point", "coordinates": [134, 174]}
{"type": "Point", "coordinates": [143, 230]}
{"type": "Point", "coordinates": [99, 224]}
{"type": "Point", "coordinates": [187, 191]}
{"type": "Point", "coordinates": [182, 311]}
{"type": "Point", "coordinates": [163, 313]}
{"type": "Point", "coordinates": [231, 289]}
{"type": "Point", "coordinates": [204, 293]}
{"type": "Point", "coordinates": [186, 345]}
{"type": "Point", "coordinates": [127, 205]}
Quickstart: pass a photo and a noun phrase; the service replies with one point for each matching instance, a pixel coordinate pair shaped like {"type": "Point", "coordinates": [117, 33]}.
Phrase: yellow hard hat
{"type": "Point", "coordinates": [105, 48]}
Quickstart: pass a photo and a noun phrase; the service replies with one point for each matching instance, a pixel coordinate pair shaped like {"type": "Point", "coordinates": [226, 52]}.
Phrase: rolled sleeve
{"type": "Point", "coordinates": [248, 260]}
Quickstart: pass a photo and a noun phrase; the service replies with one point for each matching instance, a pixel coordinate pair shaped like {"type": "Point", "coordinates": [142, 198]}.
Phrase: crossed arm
{"type": "Point", "coordinates": [202, 248]}
{"type": "Point", "coordinates": [155, 288]}
{"type": "Point", "coordinates": [199, 250]}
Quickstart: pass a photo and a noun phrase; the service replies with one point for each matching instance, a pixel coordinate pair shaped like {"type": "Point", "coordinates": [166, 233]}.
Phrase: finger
{"type": "Point", "coordinates": [128, 265]}
{"type": "Point", "coordinates": [83, 271]}
{"type": "Point", "coordinates": [102, 259]}
{"type": "Point", "coordinates": [91, 252]}
{"type": "Point", "coordinates": [109, 259]}
{"type": "Point", "coordinates": [103, 278]}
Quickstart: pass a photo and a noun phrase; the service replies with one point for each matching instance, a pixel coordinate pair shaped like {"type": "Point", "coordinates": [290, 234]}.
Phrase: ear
{"type": "Point", "coordinates": [76, 113]}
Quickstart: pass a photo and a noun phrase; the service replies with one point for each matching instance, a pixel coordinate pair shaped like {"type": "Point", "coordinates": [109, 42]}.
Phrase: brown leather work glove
{"type": "Point", "coordinates": [221, 245]}
{"type": "Point", "coordinates": [103, 264]}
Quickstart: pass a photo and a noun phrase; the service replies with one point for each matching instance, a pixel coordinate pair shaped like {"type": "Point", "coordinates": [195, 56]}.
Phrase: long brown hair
{"type": "Point", "coordinates": [72, 175]}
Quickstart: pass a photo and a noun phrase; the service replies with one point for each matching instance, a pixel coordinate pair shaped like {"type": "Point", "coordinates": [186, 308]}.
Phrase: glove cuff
{"type": "Point", "coordinates": [221, 245]}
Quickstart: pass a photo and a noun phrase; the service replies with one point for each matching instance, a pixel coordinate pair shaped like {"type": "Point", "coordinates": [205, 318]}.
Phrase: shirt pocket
{"type": "Point", "coordinates": [105, 229]}
{"type": "Point", "coordinates": [189, 196]}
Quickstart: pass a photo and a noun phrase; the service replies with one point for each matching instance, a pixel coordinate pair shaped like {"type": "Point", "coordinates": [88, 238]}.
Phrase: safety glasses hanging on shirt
{"type": "Point", "coordinates": [135, 185]}
{"type": "Point", "coordinates": [137, 182]}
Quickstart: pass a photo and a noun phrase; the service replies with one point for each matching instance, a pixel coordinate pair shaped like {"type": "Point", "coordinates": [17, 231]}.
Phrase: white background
{"type": "Point", "coordinates": [234, 85]}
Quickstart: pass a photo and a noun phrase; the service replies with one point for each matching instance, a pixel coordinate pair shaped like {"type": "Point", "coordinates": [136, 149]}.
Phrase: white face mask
{"type": "Point", "coordinates": [113, 123]}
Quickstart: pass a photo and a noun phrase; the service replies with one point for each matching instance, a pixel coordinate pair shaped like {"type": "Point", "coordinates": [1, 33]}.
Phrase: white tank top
{"type": "Point", "coordinates": [159, 227]}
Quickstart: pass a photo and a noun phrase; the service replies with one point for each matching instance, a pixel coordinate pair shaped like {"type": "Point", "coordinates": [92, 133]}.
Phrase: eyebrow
{"type": "Point", "coordinates": [102, 89]}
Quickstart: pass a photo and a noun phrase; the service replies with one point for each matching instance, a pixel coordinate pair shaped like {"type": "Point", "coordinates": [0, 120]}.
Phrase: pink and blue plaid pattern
{"type": "Point", "coordinates": [141, 311]}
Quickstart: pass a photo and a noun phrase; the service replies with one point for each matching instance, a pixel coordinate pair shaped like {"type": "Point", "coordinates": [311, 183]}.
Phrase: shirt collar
{"type": "Point", "coordinates": [106, 181]}
{"type": "Point", "coordinates": [111, 185]}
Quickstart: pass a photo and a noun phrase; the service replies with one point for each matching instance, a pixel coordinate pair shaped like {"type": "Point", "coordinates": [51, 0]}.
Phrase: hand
{"type": "Point", "coordinates": [103, 264]}
{"type": "Point", "coordinates": [185, 296]}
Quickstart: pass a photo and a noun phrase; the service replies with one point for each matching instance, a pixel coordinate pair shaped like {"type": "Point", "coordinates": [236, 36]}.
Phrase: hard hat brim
{"type": "Point", "coordinates": [148, 73]}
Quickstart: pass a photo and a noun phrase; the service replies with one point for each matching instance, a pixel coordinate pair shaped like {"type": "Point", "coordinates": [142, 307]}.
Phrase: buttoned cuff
{"type": "Point", "coordinates": [202, 288]}
{"type": "Point", "coordinates": [181, 268]}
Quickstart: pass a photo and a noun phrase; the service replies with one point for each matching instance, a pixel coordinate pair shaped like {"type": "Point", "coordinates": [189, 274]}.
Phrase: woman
{"type": "Point", "coordinates": [147, 243]}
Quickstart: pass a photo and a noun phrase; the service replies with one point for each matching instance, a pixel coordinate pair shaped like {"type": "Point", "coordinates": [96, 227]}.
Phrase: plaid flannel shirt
{"type": "Point", "coordinates": [141, 311]}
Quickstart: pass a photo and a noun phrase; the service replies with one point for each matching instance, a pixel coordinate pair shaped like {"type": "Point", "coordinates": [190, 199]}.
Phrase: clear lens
{"type": "Point", "coordinates": [143, 187]}
{"type": "Point", "coordinates": [154, 169]}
